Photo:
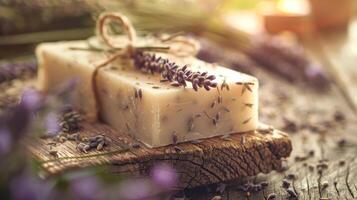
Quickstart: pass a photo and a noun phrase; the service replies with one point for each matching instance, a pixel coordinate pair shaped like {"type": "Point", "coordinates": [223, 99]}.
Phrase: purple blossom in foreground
{"type": "Point", "coordinates": [16, 121]}
{"type": "Point", "coordinates": [69, 85]}
{"type": "Point", "coordinates": [64, 92]}
{"type": "Point", "coordinates": [32, 99]}
{"type": "Point", "coordinates": [27, 187]}
{"type": "Point", "coordinates": [136, 189]}
{"type": "Point", "coordinates": [85, 188]}
{"type": "Point", "coordinates": [164, 175]}
{"type": "Point", "coordinates": [10, 71]}
{"type": "Point", "coordinates": [51, 124]}
{"type": "Point", "coordinates": [5, 141]}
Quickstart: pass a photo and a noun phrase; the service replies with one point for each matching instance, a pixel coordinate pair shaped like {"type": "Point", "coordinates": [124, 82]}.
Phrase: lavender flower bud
{"type": "Point", "coordinates": [5, 141]}
{"type": "Point", "coordinates": [85, 188]}
{"type": "Point", "coordinates": [69, 85]}
{"type": "Point", "coordinates": [136, 189]}
{"type": "Point", "coordinates": [18, 120]}
{"type": "Point", "coordinates": [26, 187]}
{"type": "Point", "coordinates": [31, 99]}
{"type": "Point", "coordinates": [51, 124]}
{"type": "Point", "coordinates": [164, 175]}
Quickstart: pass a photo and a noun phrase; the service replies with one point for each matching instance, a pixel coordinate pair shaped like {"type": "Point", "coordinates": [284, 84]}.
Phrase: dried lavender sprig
{"type": "Point", "coordinates": [70, 121]}
{"type": "Point", "coordinates": [288, 60]}
{"type": "Point", "coordinates": [10, 71]}
{"type": "Point", "coordinates": [227, 57]}
{"type": "Point", "coordinates": [97, 142]}
{"type": "Point", "coordinates": [170, 71]}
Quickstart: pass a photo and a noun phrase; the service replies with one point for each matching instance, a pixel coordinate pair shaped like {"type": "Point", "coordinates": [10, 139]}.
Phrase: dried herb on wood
{"type": "Point", "coordinates": [10, 71]}
{"type": "Point", "coordinates": [70, 121]}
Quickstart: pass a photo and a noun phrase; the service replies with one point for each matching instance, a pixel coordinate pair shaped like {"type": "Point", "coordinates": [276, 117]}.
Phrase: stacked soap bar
{"type": "Point", "coordinates": [142, 105]}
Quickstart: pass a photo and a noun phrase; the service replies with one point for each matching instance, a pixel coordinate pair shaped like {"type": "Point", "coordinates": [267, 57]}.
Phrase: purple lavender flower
{"type": "Point", "coordinates": [64, 92]}
{"type": "Point", "coordinates": [164, 175]}
{"type": "Point", "coordinates": [17, 120]}
{"type": "Point", "coordinates": [136, 189]}
{"type": "Point", "coordinates": [69, 85]}
{"type": "Point", "coordinates": [51, 123]}
{"type": "Point", "coordinates": [5, 141]}
{"type": "Point", "coordinates": [27, 187]}
{"type": "Point", "coordinates": [32, 99]}
{"type": "Point", "coordinates": [87, 188]}
{"type": "Point", "coordinates": [9, 71]}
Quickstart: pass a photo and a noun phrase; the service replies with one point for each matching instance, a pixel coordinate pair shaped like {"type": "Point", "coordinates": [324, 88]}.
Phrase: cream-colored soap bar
{"type": "Point", "coordinates": [152, 111]}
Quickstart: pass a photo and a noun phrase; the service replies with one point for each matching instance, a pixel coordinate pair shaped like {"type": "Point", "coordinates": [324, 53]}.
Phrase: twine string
{"type": "Point", "coordinates": [102, 29]}
{"type": "Point", "coordinates": [187, 47]}
{"type": "Point", "coordinates": [178, 46]}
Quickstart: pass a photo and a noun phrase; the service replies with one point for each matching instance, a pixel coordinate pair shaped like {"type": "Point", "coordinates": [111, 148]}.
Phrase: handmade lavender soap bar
{"type": "Point", "coordinates": [141, 104]}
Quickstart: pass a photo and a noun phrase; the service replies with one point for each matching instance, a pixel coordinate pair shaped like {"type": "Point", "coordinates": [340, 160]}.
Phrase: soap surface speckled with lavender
{"type": "Point", "coordinates": [213, 101]}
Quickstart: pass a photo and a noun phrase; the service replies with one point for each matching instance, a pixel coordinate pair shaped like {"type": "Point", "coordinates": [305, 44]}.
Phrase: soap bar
{"type": "Point", "coordinates": [142, 105]}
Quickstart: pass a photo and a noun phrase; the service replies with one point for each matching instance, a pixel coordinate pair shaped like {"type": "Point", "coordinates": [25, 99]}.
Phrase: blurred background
{"type": "Point", "coordinates": [243, 31]}
{"type": "Point", "coordinates": [309, 44]}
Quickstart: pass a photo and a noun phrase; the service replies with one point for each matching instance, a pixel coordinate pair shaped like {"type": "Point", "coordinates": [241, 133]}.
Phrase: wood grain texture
{"type": "Point", "coordinates": [211, 161]}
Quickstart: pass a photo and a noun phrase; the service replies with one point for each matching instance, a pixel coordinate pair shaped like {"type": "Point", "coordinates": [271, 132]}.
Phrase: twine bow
{"type": "Point", "coordinates": [175, 45]}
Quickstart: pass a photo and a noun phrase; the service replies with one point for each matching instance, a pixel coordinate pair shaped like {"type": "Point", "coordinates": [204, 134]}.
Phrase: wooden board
{"type": "Point", "coordinates": [211, 161]}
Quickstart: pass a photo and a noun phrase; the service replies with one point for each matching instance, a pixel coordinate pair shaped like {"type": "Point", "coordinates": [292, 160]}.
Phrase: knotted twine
{"type": "Point", "coordinates": [187, 48]}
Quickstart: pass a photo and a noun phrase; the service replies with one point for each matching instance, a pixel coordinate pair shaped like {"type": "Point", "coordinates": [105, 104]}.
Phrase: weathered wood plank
{"type": "Point", "coordinates": [211, 161]}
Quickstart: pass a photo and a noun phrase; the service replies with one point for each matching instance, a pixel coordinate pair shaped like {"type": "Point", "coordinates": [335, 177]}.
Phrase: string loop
{"type": "Point", "coordinates": [102, 29]}
{"type": "Point", "coordinates": [178, 46]}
